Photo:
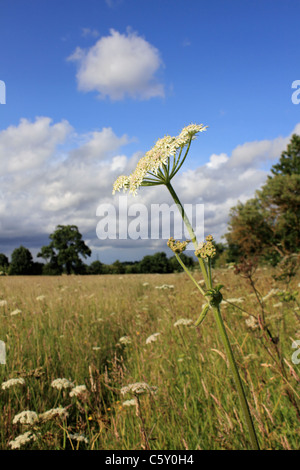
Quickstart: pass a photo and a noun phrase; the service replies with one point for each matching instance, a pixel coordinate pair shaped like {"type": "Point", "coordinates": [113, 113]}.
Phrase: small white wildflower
{"type": "Point", "coordinates": [129, 402]}
{"type": "Point", "coordinates": [3, 303]}
{"type": "Point", "coordinates": [279, 304]}
{"type": "Point", "coordinates": [165, 286]}
{"type": "Point", "coordinates": [78, 390]}
{"type": "Point", "coordinates": [152, 338]}
{"type": "Point", "coordinates": [26, 417]}
{"type": "Point", "coordinates": [145, 284]}
{"type": "Point", "coordinates": [233, 300]}
{"type": "Point", "coordinates": [53, 413]}
{"type": "Point", "coordinates": [12, 382]}
{"type": "Point", "coordinates": [138, 388]}
{"type": "Point", "coordinates": [15, 312]}
{"type": "Point", "coordinates": [125, 340]}
{"type": "Point", "coordinates": [79, 438]}
{"type": "Point", "coordinates": [61, 383]}
{"type": "Point", "coordinates": [96, 348]}
{"type": "Point", "coordinates": [41, 297]}
{"type": "Point", "coordinates": [183, 321]}
{"type": "Point", "coordinates": [252, 323]}
{"type": "Point", "coordinates": [22, 439]}
{"type": "Point", "coordinates": [270, 294]}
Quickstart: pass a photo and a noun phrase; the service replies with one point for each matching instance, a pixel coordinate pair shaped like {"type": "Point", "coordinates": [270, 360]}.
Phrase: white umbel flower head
{"type": "Point", "coordinates": [26, 417]}
{"type": "Point", "coordinates": [22, 440]}
{"type": "Point", "coordinates": [152, 338]}
{"type": "Point", "coordinates": [79, 438]}
{"type": "Point", "coordinates": [129, 402]}
{"type": "Point", "coordinates": [149, 166]}
{"type": "Point", "coordinates": [125, 340]}
{"type": "Point", "coordinates": [59, 412]}
{"type": "Point", "coordinates": [12, 382]}
{"type": "Point", "coordinates": [61, 383]}
{"type": "Point", "coordinates": [78, 390]}
{"type": "Point", "coordinates": [138, 388]}
{"type": "Point", "coordinates": [183, 321]}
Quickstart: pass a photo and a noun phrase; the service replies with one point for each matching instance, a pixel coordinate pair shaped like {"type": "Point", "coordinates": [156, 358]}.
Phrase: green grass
{"type": "Point", "coordinates": [74, 332]}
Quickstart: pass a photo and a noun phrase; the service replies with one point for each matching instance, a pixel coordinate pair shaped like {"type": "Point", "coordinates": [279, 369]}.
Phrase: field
{"type": "Point", "coordinates": [106, 332]}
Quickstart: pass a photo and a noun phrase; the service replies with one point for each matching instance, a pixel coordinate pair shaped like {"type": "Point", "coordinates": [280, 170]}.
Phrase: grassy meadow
{"type": "Point", "coordinates": [106, 332]}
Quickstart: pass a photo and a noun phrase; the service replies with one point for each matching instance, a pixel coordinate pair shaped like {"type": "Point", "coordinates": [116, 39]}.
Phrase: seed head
{"type": "Point", "coordinates": [176, 245]}
{"type": "Point", "coordinates": [206, 250]}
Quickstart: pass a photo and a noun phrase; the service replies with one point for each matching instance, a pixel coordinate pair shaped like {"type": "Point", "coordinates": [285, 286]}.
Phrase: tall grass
{"type": "Point", "coordinates": [73, 327]}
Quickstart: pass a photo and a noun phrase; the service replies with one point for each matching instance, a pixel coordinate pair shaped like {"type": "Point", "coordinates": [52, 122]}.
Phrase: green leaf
{"type": "Point", "coordinates": [202, 315]}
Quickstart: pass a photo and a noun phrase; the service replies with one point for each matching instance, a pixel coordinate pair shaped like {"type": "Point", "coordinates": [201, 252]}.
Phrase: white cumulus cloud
{"type": "Point", "coordinates": [48, 178]}
{"type": "Point", "coordinates": [119, 65]}
{"type": "Point", "coordinates": [29, 145]}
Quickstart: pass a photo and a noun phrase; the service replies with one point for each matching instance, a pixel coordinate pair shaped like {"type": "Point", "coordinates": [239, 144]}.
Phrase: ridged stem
{"type": "Point", "coordinates": [220, 325]}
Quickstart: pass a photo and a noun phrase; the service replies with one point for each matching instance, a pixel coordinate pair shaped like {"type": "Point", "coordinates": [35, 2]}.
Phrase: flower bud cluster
{"type": "Point", "coordinates": [206, 250]}
{"type": "Point", "coordinates": [176, 245]}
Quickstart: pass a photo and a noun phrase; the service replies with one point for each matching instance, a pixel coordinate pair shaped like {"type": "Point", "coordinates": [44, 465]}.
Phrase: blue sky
{"type": "Point", "coordinates": [93, 82]}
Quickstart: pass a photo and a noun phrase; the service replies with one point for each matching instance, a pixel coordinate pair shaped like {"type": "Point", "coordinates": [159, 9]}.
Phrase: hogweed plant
{"type": "Point", "coordinates": [158, 167]}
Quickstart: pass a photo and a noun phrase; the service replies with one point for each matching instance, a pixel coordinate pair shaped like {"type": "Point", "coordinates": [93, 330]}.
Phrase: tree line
{"type": "Point", "coordinates": [266, 227]}
{"type": "Point", "coordinates": [22, 264]}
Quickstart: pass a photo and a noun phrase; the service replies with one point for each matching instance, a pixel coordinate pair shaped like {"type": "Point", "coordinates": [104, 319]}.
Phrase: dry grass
{"type": "Point", "coordinates": [70, 327]}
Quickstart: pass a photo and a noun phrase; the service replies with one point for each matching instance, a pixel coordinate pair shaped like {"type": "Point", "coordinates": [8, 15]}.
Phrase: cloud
{"type": "Point", "coordinates": [113, 3]}
{"type": "Point", "coordinates": [51, 175]}
{"type": "Point", "coordinates": [88, 32]}
{"type": "Point", "coordinates": [227, 179]}
{"type": "Point", "coordinates": [29, 145]}
{"type": "Point", "coordinates": [119, 66]}
{"type": "Point", "coordinates": [98, 145]}
{"type": "Point", "coordinates": [45, 181]}
{"type": "Point", "coordinates": [258, 152]}
{"type": "Point", "coordinates": [215, 161]}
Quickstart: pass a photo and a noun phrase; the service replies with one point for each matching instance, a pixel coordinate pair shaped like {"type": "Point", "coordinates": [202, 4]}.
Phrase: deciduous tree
{"type": "Point", "coordinates": [65, 249]}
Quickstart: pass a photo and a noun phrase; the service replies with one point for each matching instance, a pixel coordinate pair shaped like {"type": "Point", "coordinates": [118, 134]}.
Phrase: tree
{"type": "Point", "coordinates": [176, 267]}
{"type": "Point", "coordinates": [269, 224]}
{"type": "Point", "coordinates": [64, 251]}
{"type": "Point", "coordinates": [96, 267]}
{"type": "Point", "coordinates": [157, 263]}
{"type": "Point", "coordinates": [118, 267]}
{"type": "Point", "coordinates": [289, 162]}
{"type": "Point", "coordinates": [21, 262]}
{"type": "Point", "coordinates": [4, 263]}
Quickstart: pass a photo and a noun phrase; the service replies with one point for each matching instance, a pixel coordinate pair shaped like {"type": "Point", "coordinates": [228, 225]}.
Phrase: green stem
{"type": "Point", "coordinates": [189, 274]}
{"type": "Point", "coordinates": [220, 324]}
{"type": "Point", "coordinates": [237, 378]}
{"type": "Point", "coordinates": [189, 227]}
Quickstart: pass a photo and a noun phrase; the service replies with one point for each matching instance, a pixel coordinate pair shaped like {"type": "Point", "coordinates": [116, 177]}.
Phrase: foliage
{"type": "Point", "coordinates": [4, 263]}
{"type": "Point", "coordinates": [96, 267]}
{"type": "Point", "coordinates": [3, 260]}
{"type": "Point", "coordinates": [157, 263]}
{"type": "Point", "coordinates": [268, 225]}
{"type": "Point", "coordinates": [65, 249]}
{"type": "Point", "coordinates": [21, 262]}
